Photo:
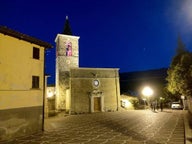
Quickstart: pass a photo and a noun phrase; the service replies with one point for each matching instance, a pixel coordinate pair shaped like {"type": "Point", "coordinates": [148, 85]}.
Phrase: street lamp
{"type": "Point", "coordinates": [147, 92]}
{"type": "Point", "coordinates": [144, 99]}
{"type": "Point", "coordinates": [183, 101]}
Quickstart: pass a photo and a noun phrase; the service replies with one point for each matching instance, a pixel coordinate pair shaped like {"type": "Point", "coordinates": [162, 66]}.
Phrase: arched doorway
{"type": "Point", "coordinates": [96, 101]}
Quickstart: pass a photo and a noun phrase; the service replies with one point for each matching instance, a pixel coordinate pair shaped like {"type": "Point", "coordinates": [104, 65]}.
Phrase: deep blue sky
{"type": "Point", "coordinates": [132, 35]}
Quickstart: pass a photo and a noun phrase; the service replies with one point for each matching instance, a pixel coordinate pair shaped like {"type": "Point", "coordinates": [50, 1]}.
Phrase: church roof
{"type": "Point", "coordinates": [67, 28]}
{"type": "Point", "coordinates": [7, 31]}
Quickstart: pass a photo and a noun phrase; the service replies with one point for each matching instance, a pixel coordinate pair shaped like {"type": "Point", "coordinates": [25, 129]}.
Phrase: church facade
{"type": "Point", "coordinates": [94, 89]}
{"type": "Point", "coordinates": [82, 90]}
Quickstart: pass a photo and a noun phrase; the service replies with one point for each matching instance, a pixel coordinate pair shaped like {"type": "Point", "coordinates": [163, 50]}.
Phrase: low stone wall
{"type": "Point", "coordinates": [189, 105]}
{"type": "Point", "coordinates": [20, 122]}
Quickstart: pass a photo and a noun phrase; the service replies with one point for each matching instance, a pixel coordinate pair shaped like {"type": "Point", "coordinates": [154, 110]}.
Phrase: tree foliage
{"type": "Point", "coordinates": [180, 72]}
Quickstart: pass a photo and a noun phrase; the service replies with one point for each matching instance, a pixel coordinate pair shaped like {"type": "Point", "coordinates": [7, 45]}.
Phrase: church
{"type": "Point", "coordinates": [79, 89]}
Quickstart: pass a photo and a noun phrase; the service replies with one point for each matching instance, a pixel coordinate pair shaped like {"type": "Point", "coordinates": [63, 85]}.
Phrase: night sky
{"type": "Point", "coordinates": [132, 35]}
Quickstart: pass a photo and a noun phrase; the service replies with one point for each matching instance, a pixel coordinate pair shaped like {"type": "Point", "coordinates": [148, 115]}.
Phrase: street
{"type": "Point", "coordinates": [126, 127]}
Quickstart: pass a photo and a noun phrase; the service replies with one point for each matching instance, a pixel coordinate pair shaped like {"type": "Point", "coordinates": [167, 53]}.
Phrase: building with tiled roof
{"type": "Point", "coordinates": [22, 83]}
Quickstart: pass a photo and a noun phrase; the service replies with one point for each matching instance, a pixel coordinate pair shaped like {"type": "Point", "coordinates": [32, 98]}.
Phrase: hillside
{"type": "Point", "coordinates": [132, 82]}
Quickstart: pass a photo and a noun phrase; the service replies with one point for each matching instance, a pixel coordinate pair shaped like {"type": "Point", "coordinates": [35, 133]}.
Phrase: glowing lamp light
{"type": "Point", "coordinates": [147, 91]}
{"type": "Point", "coordinates": [50, 94]}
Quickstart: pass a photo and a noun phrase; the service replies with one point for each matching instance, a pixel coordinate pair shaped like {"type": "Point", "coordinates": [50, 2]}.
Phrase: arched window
{"type": "Point", "coordinates": [68, 49]}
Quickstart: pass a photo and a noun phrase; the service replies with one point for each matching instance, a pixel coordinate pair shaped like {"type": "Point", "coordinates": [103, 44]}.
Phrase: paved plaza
{"type": "Point", "coordinates": [126, 127]}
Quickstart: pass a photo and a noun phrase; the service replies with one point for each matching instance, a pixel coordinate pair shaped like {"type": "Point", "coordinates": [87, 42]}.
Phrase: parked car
{"type": "Point", "coordinates": [176, 105]}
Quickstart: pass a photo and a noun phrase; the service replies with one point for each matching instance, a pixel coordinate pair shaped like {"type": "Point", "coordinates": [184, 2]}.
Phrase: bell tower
{"type": "Point", "coordinates": [67, 56]}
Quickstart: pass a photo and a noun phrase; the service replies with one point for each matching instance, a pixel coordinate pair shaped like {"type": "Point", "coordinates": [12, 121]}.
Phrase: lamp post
{"type": "Point", "coordinates": [183, 101]}
{"type": "Point", "coordinates": [144, 99]}
{"type": "Point", "coordinates": [147, 92]}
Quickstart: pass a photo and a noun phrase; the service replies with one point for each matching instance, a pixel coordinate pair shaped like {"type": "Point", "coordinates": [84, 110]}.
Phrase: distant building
{"type": "Point", "coordinates": [80, 90]}
{"type": "Point", "coordinates": [22, 83]}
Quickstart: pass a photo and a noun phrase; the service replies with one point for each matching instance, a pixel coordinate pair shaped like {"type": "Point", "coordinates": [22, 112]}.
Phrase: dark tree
{"type": "Point", "coordinates": [180, 72]}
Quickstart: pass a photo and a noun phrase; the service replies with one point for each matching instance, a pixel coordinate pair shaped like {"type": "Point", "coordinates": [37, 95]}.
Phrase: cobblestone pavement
{"type": "Point", "coordinates": [127, 127]}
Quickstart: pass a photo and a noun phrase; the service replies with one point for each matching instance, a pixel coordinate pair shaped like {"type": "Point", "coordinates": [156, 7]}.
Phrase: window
{"type": "Point", "coordinates": [35, 81]}
{"type": "Point", "coordinates": [36, 53]}
{"type": "Point", "coordinates": [68, 49]}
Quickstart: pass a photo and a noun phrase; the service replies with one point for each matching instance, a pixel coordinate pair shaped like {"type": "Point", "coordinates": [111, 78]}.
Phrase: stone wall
{"type": "Point", "coordinates": [189, 105]}
{"type": "Point", "coordinates": [20, 122]}
{"type": "Point", "coordinates": [63, 64]}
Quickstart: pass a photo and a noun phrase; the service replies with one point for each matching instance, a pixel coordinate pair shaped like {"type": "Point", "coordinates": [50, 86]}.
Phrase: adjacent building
{"type": "Point", "coordinates": [22, 83]}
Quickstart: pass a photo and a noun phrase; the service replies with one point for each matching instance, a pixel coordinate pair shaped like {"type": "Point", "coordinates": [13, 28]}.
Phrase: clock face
{"type": "Point", "coordinates": [96, 83]}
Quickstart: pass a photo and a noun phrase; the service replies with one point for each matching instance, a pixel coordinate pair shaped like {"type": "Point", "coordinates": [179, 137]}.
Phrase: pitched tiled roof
{"type": "Point", "coordinates": [7, 31]}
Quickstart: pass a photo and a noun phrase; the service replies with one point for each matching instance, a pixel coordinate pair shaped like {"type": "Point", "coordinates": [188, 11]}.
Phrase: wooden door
{"type": "Point", "coordinates": [97, 104]}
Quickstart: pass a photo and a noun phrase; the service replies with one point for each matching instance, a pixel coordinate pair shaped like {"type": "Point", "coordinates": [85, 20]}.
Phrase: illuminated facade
{"type": "Point", "coordinates": [80, 90]}
{"type": "Point", "coordinates": [67, 57]}
{"type": "Point", "coordinates": [21, 83]}
{"type": "Point", "coordinates": [94, 90]}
